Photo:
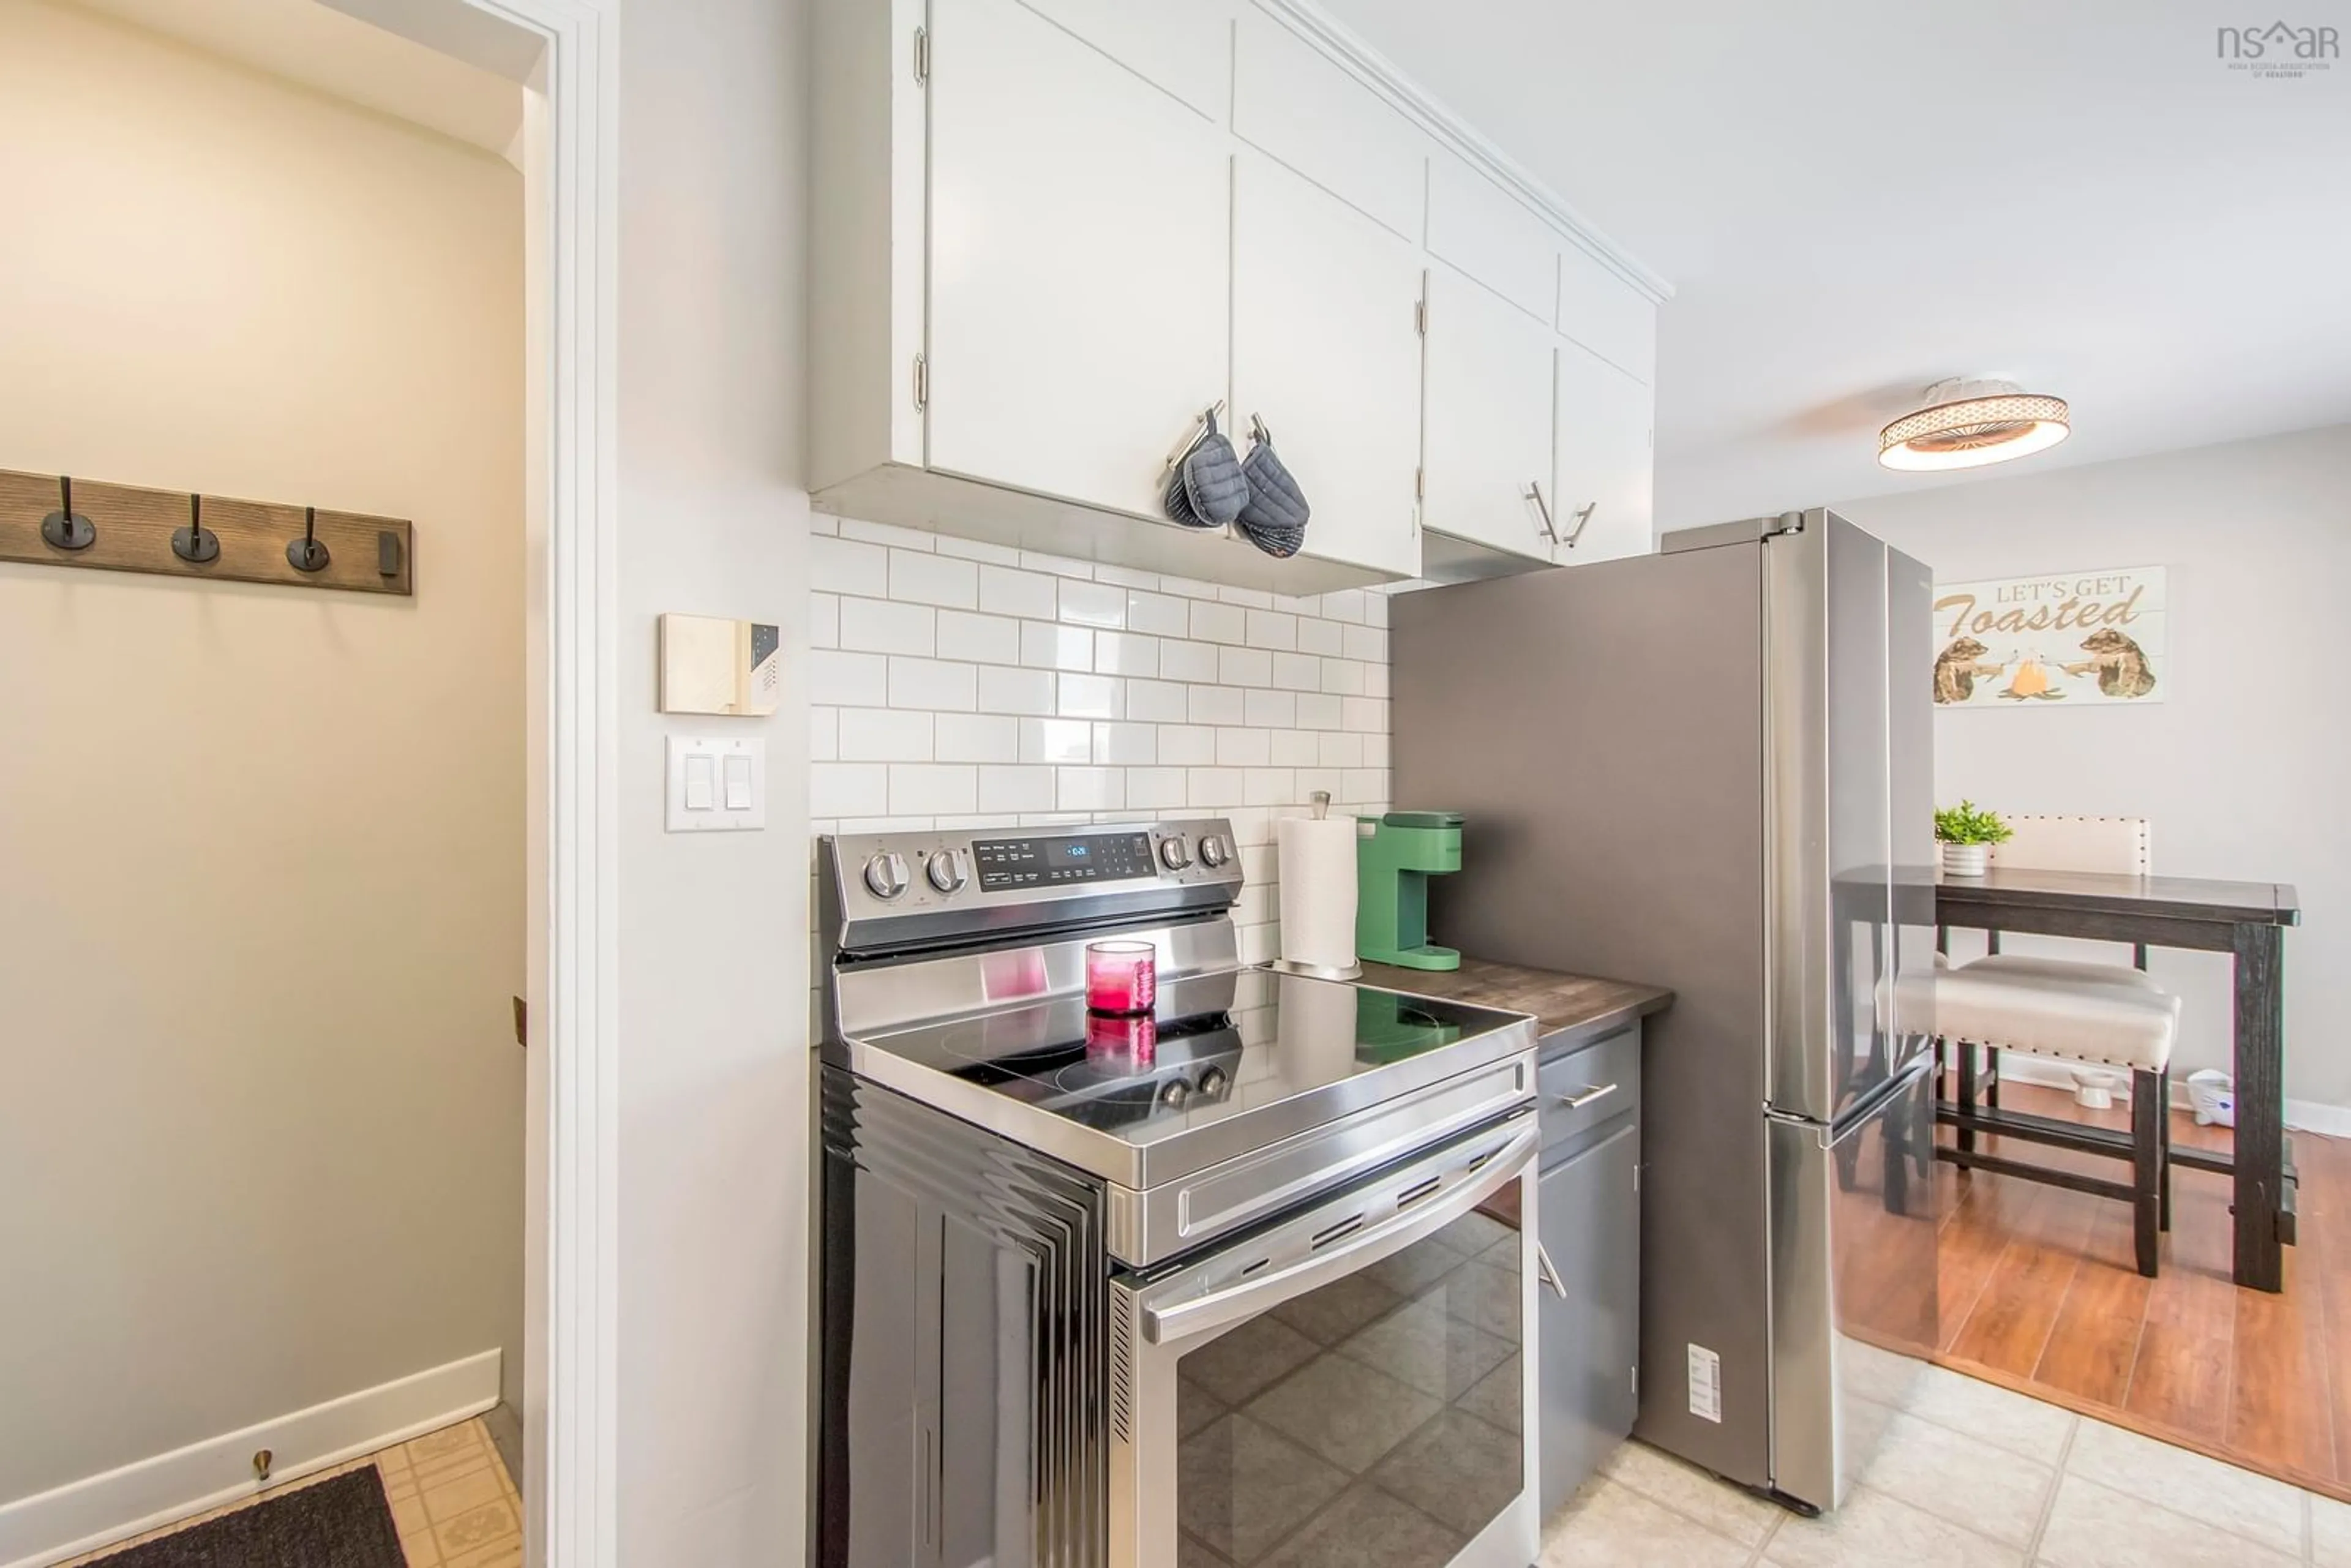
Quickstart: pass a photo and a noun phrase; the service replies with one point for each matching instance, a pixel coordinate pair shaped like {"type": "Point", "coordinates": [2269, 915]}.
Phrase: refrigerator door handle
{"type": "Point", "coordinates": [1863, 1111]}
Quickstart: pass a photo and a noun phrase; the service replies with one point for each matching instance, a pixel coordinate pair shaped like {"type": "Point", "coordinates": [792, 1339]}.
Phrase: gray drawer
{"type": "Point", "coordinates": [1590, 1086]}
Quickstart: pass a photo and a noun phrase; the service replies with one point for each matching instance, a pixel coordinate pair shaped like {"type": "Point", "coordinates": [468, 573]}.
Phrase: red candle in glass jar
{"type": "Point", "coordinates": [1122, 978]}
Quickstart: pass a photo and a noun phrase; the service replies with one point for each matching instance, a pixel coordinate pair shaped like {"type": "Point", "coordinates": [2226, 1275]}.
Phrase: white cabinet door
{"type": "Point", "coordinates": [1487, 421]}
{"type": "Point", "coordinates": [1080, 261]}
{"type": "Point", "coordinates": [1604, 460]}
{"type": "Point", "coordinates": [1325, 353]}
{"type": "Point", "coordinates": [1605, 314]}
{"type": "Point", "coordinates": [1294, 101]}
{"type": "Point", "coordinates": [1490, 234]}
{"type": "Point", "coordinates": [1185, 45]}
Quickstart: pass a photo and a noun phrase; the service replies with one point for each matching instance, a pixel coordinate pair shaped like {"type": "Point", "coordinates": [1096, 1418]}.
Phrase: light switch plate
{"type": "Point", "coordinates": [714, 770]}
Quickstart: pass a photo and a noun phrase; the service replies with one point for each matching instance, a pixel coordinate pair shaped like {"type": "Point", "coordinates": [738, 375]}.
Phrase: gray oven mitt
{"type": "Point", "coordinates": [1275, 518]}
{"type": "Point", "coordinates": [1207, 490]}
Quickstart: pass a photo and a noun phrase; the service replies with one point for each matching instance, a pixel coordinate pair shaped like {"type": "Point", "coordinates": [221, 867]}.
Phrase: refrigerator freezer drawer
{"type": "Point", "coordinates": [1853, 1283]}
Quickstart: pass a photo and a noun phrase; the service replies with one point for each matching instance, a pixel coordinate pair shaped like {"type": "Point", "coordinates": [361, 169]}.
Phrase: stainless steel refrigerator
{"type": "Point", "coordinates": [1711, 769]}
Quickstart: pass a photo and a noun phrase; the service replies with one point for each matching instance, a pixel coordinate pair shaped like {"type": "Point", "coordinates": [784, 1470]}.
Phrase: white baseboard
{"type": "Point", "coordinates": [2303, 1115]}
{"type": "Point", "coordinates": [97, 1511]}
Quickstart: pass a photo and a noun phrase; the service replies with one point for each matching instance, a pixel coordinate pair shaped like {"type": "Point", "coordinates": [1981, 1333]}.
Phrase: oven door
{"type": "Point", "coordinates": [1351, 1384]}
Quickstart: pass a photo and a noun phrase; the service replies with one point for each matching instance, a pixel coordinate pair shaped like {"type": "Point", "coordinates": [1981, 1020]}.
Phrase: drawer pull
{"type": "Point", "coordinates": [1578, 1101]}
{"type": "Point", "coordinates": [1547, 1275]}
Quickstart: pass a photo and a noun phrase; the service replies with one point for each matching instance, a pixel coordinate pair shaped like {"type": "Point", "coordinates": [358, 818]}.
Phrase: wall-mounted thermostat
{"type": "Point", "coordinates": [712, 665]}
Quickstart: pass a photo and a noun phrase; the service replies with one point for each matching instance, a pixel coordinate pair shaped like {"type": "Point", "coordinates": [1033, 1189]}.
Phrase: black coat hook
{"type": "Point", "coordinates": [195, 544]}
{"type": "Point", "coordinates": [307, 554]}
{"type": "Point", "coordinates": [65, 528]}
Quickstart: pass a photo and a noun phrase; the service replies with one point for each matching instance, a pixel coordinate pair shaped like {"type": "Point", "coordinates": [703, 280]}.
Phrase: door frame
{"type": "Point", "coordinates": [565, 56]}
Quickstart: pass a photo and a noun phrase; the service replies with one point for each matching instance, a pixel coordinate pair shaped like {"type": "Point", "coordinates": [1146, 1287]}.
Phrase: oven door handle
{"type": "Point", "coordinates": [1206, 1314]}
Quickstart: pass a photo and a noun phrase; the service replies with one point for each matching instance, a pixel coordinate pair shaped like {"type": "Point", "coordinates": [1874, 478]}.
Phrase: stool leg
{"type": "Point", "coordinates": [2164, 1079]}
{"type": "Point", "coordinates": [1991, 1090]}
{"type": "Point", "coordinates": [2146, 1166]}
{"type": "Point", "coordinates": [1967, 1092]}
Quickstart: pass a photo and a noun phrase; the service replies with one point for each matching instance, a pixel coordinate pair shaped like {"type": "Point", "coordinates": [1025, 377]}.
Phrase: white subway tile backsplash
{"type": "Point", "coordinates": [1094, 604]}
{"type": "Point", "coordinates": [1375, 750]}
{"type": "Point", "coordinates": [1269, 787]}
{"type": "Point", "coordinates": [824, 621]}
{"type": "Point", "coordinates": [1016, 691]}
{"type": "Point", "coordinates": [1044, 646]}
{"type": "Point", "coordinates": [1366, 786]}
{"type": "Point", "coordinates": [1215, 787]}
{"type": "Point", "coordinates": [1219, 623]}
{"type": "Point", "coordinates": [1019, 790]}
{"type": "Point", "coordinates": [1366, 714]}
{"type": "Point", "coordinates": [1364, 642]}
{"type": "Point", "coordinates": [1243, 749]}
{"type": "Point", "coordinates": [1159, 614]}
{"type": "Point", "coordinates": [824, 735]}
{"type": "Point", "coordinates": [1057, 566]}
{"type": "Point", "coordinates": [848, 680]}
{"type": "Point", "coordinates": [1297, 672]}
{"type": "Point", "coordinates": [1375, 607]}
{"type": "Point", "coordinates": [1218, 705]}
{"type": "Point", "coordinates": [1272, 629]}
{"type": "Point", "coordinates": [1296, 748]}
{"type": "Point", "coordinates": [1330, 780]}
{"type": "Point", "coordinates": [1318, 710]}
{"type": "Point", "coordinates": [1271, 710]}
{"type": "Point", "coordinates": [1320, 637]}
{"type": "Point", "coordinates": [1244, 667]}
{"type": "Point", "coordinates": [1090, 697]}
{"type": "Point", "coordinates": [979, 550]}
{"type": "Point", "coordinates": [885, 734]}
{"type": "Point", "coordinates": [1125, 653]}
{"type": "Point", "coordinates": [932, 788]}
{"type": "Point", "coordinates": [1029, 595]}
{"type": "Point", "coordinates": [1342, 677]}
{"type": "Point", "coordinates": [888, 534]}
{"type": "Point", "coordinates": [1056, 740]}
{"type": "Point", "coordinates": [1126, 577]}
{"type": "Point", "coordinates": [1253, 598]}
{"type": "Point", "coordinates": [1155, 788]}
{"type": "Point", "coordinates": [1349, 604]}
{"type": "Point", "coordinates": [1188, 587]}
{"type": "Point", "coordinates": [1090, 789]}
{"type": "Point", "coordinates": [919, 579]}
{"type": "Point", "coordinates": [981, 639]}
{"type": "Point", "coordinates": [839, 788]}
{"type": "Point", "coordinates": [846, 565]}
{"type": "Point", "coordinates": [1126, 744]}
{"type": "Point", "coordinates": [878, 626]}
{"type": "Point", "coordinates": [930, 684]}
{"type": "Point", "coordinates": [1187, 745]}
{"type": "Point", "coordinates": [1188, 661]}
{"type": "Point", "coordinates": [1338, 750]}
{"type": "Point", "coordinates": [1157, 702]}
{"type": "Point", "coordinates": [1375, 679]}
{"type": "Point", "coordinates": [977, 737]}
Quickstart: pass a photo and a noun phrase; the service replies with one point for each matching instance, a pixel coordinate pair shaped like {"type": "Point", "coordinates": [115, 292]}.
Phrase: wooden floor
{"type": "Point", "coordinates": [2038, 1293]}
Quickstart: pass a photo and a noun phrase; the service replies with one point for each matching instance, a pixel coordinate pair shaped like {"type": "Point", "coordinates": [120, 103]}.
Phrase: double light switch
{"type": "Point", "coordinates": [716, 785]}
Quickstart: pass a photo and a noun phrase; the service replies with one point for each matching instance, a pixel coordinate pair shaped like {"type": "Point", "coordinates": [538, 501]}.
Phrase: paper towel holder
{"type": "Point", "coordinates": [1320, 800]}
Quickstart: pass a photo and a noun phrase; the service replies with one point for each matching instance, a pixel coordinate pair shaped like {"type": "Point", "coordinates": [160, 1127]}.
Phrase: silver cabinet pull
{"type": "Point", "coordinates": [1578, 1101]}
{"type": "Point", "coordinates": [1582, 521]}
{"type": "Point", "coordinates": [1547, 1275]}
{"type": "Point", "coordinates": [1543, 509]}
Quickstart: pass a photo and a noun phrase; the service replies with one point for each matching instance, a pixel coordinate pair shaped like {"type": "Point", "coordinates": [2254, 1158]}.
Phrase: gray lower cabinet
{"type": "Point", "coordinates": [1589, 1223]}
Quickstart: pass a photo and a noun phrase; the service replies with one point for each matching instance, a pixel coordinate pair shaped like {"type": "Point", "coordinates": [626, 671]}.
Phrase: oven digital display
{"type": "Point", "coordinates": [1043, 863]}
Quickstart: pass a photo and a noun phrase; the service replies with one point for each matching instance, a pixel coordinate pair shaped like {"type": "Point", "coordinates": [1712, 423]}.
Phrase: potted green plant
{"type": "Point", "coordinates": [1967, 835]}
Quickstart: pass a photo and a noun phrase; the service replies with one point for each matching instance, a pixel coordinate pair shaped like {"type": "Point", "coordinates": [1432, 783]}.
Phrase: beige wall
{"type": "Point", "coordinates": [2242, 771]}
{"type": "Point", "coordinates": [261, 856]}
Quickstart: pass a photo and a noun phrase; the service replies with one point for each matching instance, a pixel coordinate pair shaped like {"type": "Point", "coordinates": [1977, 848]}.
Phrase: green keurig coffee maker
{"type": "Point", "coordinates": [1394, 857]}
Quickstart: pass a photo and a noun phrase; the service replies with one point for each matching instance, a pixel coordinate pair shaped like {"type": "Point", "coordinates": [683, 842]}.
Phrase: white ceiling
{"type": "Point", "coordinates": [305, 42]}
{"type": "Point", "coordinates": [1853, 200]}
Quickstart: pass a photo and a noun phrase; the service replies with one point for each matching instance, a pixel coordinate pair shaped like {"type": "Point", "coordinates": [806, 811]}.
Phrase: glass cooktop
{"type": "Point", "coordinates": [1218, 1046]}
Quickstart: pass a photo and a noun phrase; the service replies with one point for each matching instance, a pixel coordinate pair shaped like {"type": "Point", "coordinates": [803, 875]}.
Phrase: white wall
{"type": "Point", "coordinates": [2245, 767]}
{"type": "Point", "coordinates": [968, 685]}
{"type": "Point", "coordinates": [261, 859]}
{"type": "Point", "coordinates": [713, 1179]}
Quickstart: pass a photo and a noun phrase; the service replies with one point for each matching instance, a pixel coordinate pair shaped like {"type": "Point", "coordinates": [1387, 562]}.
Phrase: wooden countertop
{"type": "Point", "coordinates": [1578, 1005]}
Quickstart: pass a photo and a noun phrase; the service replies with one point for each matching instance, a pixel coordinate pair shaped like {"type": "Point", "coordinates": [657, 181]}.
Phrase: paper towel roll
{"type": "Point", "coordinates": [1317, 869]}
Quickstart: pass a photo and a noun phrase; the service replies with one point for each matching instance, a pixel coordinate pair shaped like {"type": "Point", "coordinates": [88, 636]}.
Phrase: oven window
{"type": "Point", "coordinates": [1375, 1420]}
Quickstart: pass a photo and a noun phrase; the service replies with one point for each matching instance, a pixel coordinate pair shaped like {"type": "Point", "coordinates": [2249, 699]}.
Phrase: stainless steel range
{"type": "Point", "coordinates": [1246, 1278]}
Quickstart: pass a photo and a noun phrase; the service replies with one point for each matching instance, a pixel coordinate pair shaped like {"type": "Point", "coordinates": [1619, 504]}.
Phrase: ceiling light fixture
{"type": "Point", "coordinates": [1969, 421]}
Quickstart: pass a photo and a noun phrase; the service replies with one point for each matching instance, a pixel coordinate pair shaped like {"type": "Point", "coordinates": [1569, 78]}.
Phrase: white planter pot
{"type": "Point", "coordinates": [1965, 860]}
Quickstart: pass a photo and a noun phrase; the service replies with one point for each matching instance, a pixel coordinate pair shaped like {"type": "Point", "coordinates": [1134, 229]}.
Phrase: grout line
{"type": "Point", "coordinates": [2056, 1483]}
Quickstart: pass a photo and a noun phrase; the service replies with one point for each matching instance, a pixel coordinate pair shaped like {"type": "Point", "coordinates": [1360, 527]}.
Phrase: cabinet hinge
{"type": "Point", "coordinates": [922, 381]}
{"type": "Point", "coordinates": [1636, 1179]}
{"type": "Point", "coordinates": [922, 56]}
{"type": "Point", "coordinates": [1636, 1382]}
{"type": "Point", "coordinates": [1420, 316]}
{"type": "Point", "coordinates": [1420, 483]}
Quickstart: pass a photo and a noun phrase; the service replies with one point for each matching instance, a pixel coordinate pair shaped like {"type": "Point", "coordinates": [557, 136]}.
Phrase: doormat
{"type": "Point", "coordinates": [342, 1522]}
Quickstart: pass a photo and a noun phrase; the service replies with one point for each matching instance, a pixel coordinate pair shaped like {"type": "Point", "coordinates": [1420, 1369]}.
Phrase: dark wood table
{"type": "Point", "coordinates": [2246, 920]}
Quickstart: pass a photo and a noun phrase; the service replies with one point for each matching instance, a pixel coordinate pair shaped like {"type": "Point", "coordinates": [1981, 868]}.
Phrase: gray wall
{"type": "Point", "coordinates": [261, 857]}
{"type": "Point", "coordinates": [2244, 769]}
{"type": "Point", "coordinates": [714, 1061]}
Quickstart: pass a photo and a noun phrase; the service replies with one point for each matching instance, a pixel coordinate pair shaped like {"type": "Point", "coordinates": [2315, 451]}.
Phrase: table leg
{"type": "Point", "coordinates": [2259, 955]}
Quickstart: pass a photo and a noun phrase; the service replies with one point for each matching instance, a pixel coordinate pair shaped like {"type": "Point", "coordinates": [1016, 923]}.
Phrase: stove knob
{"type": "Point", "coordinates": [1176, 1093]}
{"type": "Point", "coordinates": [1213, 852]}
{"type": "Point", "coordinates": [1173, 852]}
{"type": "Point", "coordinates": [885, 875]}
{"type": "Point", "coordinates": [946, 870]}
{"type": "Point", "coordinates": [1212, 1080]}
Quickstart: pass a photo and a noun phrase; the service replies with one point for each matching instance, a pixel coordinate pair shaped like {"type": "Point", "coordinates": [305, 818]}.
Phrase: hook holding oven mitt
{"type": "Point", "coordinates": [1206, 489]}
{"type": "Point", "coordinates": [1275, 518]}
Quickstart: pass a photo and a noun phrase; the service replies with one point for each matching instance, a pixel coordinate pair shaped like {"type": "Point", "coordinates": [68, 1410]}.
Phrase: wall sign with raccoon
{"type": "Point", "coordinates": [2071, 639]}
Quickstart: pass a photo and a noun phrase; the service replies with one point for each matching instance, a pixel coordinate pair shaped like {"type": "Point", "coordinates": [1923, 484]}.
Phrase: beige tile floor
{"type": "Point", "coordinates": [1965, 1475]}
{"type": "Point", "coordinates": [453, 1502]}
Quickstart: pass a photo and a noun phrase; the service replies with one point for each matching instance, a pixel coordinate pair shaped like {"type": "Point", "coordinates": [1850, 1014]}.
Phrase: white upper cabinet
{"type": "Point", "coordinates": [1605, 314]}
{"type": "Point", "coordinates": [1487, 420]}
{"type": "Point", "coordinates": [1491, 236]}
{"type": "Point", "coordinates": [1326, 351]}
{"type": "Point", "coordinates": [1295, 103]}
{"type": "Point", "coordinates": [1079, 262]}
{"type": "Point", "coordinates": [1605, 461]}
{"type": "Point", "coordinates": [1184, 46]}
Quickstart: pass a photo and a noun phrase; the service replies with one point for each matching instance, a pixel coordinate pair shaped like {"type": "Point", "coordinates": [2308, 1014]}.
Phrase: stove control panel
{"type": "Point", "coordinates": [1060, 859]}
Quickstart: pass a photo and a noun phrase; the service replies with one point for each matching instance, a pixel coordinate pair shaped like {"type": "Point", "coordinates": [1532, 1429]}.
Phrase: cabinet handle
{"type": "Point", "coordinates": [1578, 1101]}
{"type": "Point", "coordinates": [1582, 521]}
{"type": "Point", "coordinates": [1547, 1275]}
{"type": "Point", "coordinates": [1543, 509]}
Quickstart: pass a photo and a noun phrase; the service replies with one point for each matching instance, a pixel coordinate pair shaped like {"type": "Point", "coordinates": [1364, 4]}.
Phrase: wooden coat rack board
{"type": "Point", "coordinates": [53, 520]}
